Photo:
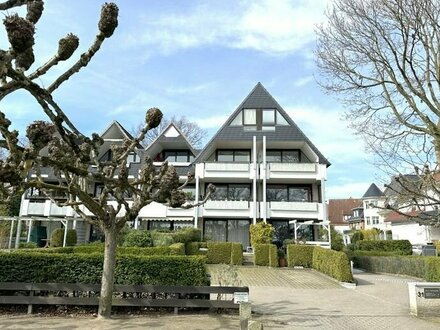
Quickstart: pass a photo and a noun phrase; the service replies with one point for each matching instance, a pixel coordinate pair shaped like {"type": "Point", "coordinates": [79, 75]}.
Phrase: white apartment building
{"type": "Point", "coordinates": [263, 166]}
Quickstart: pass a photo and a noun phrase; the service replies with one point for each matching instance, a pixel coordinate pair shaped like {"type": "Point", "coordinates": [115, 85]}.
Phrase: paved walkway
{"type": "Point", "coordinates": [281, 299]}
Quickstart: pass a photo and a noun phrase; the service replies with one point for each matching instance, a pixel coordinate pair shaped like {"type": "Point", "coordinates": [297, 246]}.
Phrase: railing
{"type": "Point", "coordinates": [294, 206]}
{"type": "Point", "coordinates": [226, 205]}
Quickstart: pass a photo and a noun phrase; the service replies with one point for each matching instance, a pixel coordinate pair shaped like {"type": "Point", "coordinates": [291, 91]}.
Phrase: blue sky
{"type": "Point", "coordinates": [198, 59]}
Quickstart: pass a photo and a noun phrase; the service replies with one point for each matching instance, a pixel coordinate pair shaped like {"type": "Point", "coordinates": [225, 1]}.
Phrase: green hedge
{"type": "Point", "coordinates": [300, 255]}
{"type": "Point", "coordinates": [403, 246]}
{"type": "Point", "coordinates": [333, 263]}
{"type": "Point", "coordinates": [224, 253]}
{"type": "Point", "coordinates": [173, 249]}
{"type": "Point", "coordinates": [265, 255]}
{"type": "Point", "coordinates": [427, 268]}
{"type": "Point", "coordinates": [236, 254]}
{"type": "Point", "coordinates": [193, 248]}
{"type": "Point", "coordinates": [57, 237]}
{"type": "Point", "coordinates": [82, 268]}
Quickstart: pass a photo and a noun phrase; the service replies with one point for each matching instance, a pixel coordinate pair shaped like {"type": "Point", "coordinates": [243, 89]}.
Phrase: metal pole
{"type": "Point", "coordinates": [17, 236]}
{"type": "Point", "coordinates": [65, 232]}
{"type": "Point", "coordinates": [29, 232]}
{"type": "Point", "coordinates": [10, 234]}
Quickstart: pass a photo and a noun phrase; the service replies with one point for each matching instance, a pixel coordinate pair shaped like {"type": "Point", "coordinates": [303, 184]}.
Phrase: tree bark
{"type": "Point", "coordinates": [105, 300]}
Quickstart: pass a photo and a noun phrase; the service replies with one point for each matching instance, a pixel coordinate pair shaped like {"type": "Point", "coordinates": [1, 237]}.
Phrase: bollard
{"type": "Point", "coordinates": [245, 315]}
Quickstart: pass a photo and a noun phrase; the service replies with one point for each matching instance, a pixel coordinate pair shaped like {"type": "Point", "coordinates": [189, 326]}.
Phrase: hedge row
{"type": "Point", "coordinates": [427, 268]}
{"type": "Point", "coordinates": [333, 263]}
{"type": "Point", "coordinates": [265, 255]}
{"type": "Point", "coordinates": [82, 268]}
{"type": "Point", "coordinates": [403, 246]}
{"type": "Point", "coordinates": [193, 248]}
{"type": "Point", "coordinates": [300, 255]}
{"type": "Point", "coordinates": [225, 253]}
{"type": "Point", "coordinates": [173, 249]}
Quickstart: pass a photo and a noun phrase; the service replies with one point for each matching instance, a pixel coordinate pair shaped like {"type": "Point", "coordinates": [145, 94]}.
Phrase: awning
{"type": "Point", "coordinates": [168, 219]}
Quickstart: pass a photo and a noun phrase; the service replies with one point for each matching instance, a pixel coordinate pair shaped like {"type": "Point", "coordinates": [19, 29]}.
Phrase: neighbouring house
{"type": "Point", "coordinates": [409, 225]}
{"type": "Point", "coordinates": [263, 166]}
{"type": "Point", "coordinates": [340, 211]}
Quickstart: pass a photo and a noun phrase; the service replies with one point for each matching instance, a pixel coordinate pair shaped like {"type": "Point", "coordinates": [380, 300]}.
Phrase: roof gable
{"type": "Point", "coordinates": [170, 138]}
{"type": "Point", "coordinates": [373, 191]}
{"type": "Point", "coordinates": [259, 98]}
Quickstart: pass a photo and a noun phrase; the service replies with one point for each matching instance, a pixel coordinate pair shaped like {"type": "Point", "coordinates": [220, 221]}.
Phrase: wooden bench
{"type": "Point", "coordinates": [16, 293]}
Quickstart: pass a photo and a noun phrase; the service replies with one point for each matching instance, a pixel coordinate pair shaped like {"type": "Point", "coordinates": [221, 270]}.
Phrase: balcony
{"type": "Point", "coordinates": [236, 209]}
{"type": "Point", "coordinates": [36, 207]}
{"type": "Point", "coordinates": [60, 211]}
{"type": "Point", "coordinates": [300, 210]}
{"type": "Point", "coordinates": [293, 171]}
{"type": "Point", "coordinates": [227, 170]}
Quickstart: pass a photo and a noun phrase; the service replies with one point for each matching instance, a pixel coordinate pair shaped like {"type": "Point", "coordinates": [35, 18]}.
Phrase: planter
{"type": "Point", "coordinates": [282, 262]}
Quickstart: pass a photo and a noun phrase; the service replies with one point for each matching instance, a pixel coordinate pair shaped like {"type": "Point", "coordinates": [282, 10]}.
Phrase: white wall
{"type": "Point", "coordinates": [413, 232]}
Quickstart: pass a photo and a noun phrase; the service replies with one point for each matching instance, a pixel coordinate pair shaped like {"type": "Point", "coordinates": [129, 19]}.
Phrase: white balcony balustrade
{"type": "Point", "coordinates": [227, 170]}
{"type": "Point", "coordinates": [301, 210]}
{"type": "Point", "coordinates": [227, 208]}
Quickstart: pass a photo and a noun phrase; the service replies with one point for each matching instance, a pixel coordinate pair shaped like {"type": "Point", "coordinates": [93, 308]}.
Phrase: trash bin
{"type": "Point", "coordinates": [429, 250]}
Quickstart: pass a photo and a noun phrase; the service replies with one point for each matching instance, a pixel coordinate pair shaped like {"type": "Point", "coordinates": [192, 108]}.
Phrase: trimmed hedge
{"type": "Point", "coordinates": [333, 263]}
{"type": "Point", "coordinates": [427, 268]}
{"type": "Point", "coordinates": [300, 255]}
{"type": "Point", "coordinates": [225, 253]}
{"type": "Point", "coordinates": [265, 255]}
{"type": "Point", "coordinates": [57, 237]}
{"type": "Point", "coordinates": [173, 249]}
{"type": "Point", "coordinates": [193, 248]}
{"type": "Point", "coordinates": [82, 268]}
{"type": "Point", "coordinates": [138, 237]}
{"type": "Point", "coordinates": [236, 254]}
{"type": "Point", "coordinates": [402, 246]}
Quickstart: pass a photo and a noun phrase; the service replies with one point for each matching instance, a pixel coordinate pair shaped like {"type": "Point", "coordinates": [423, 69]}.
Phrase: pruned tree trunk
{"type": "Point", "coordinates": [105, 300]}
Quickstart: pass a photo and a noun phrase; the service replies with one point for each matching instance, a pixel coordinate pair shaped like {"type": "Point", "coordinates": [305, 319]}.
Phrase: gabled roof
{"type": "Point", "coordinates": [170, 141]}
{"type": "Point", "coordinates": [259, 98]}
{"type": "Point", "coordinates": [398, 184]}
{"type": "Point", "coordinates": [338, 208]}
{"type": "Point", "coordinates": [373, 191]}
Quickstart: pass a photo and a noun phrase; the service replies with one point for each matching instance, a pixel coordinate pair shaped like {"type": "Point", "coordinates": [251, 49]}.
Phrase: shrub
{"type": "Point", "coordinates": [300, 255]}
{"type": "Point", "coordinates": [224, 253]}
{"type": "Point", "coordinates": [427, 268]}
{"type": "Point", "coordinates": [187, 235]}
{"type": "Point", "coordinates": [370, 234]}
{"type": "Point", "coordinates": [397, 246]}
{"type": "Point", "coordinates": [265, 255]}
{"type": "Point", "coordinates": [333, 263]}
{"type": "Point", "coordinates": [193, 248]}
{"type": "Point", "coordinates": [236, 254]}
{"type": "Point", "coordinates": [140, 238]}
{"type": "Point", "coordinates": [261, 233]}
{"type": "Point", "coordinates": [57, 237]}
{"type": "Point", "coordinates": [177, 249]}
{"type": "Point", "coordinates": [28, 245]}
{"type": "Point", "coordinates": [337, 242]}
{"type": "Point", "coordinates": [357, 236]}
{"type": "Point", "coordinates": [162, 238]}
{"type": "Point", "coordinates": [219, 252]}
{"type": "Point", "coordinates": [81, 268]}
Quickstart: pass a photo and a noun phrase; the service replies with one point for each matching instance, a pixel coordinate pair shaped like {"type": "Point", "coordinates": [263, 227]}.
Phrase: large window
{"type": "Point", "coordinates": [169, 225]}
{"type": "Point", "coordinates": [259, 119]}
{"type": "Point", "coordinates": [177, 156]}
{"type": "Point", "coordinates": [283, 156]}
{"type": "Point", "coordinates": [286, 193]}
{"type": "Point", "coordinates": [232, 192]}
{"type": "Point", "coordinates": [227, 231]}
{"type": "Point", "coordinates": [230, 156]}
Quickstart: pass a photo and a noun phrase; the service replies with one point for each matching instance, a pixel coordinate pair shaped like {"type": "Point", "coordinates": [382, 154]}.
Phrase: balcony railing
{"type": "Point", "coordinates": [36, 207]}
{"type": "Point", "coordinates": [294, 206]}
{"type": "Point", "coordinates": [226, 205]}
{"type": "Point", "coordinates": [293, 167]}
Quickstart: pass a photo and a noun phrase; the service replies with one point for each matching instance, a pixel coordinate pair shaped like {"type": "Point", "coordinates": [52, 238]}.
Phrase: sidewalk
{"type": "Point", "coordinates": [281, 299]}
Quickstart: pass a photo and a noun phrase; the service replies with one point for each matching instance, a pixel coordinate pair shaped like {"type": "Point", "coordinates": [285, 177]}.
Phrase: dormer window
{"type": "Point", "coordinates": [259, 119]}
{"type": "Point", "coordinates": [133, 158]}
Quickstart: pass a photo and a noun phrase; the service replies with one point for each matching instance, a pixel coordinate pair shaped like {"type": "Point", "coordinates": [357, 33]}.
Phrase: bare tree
{"type": "Point", "coordinates": [70, 154]}
{"type": "Point", "coordinates": [382, 59]}
{"type": "Point", "coordinates": [193, 132]}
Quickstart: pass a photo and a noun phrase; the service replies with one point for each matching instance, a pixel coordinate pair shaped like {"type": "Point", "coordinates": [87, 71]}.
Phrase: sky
{"type": "Point", "coordinates": [197, 59]}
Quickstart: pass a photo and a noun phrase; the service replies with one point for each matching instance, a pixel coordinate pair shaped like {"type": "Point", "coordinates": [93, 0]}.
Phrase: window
{"type": "Point", "coordinates": [250, 117]}
{"type": "Point", "coordinates": [99, 187]}
{"type": "Point", "coordinates": [230, 156]}
{"type": "Point", "coordinates": [176, 156]}
{"type": "Point", "coordinates": [107, 156]}
{"type": "Point", "coordinates": [268, 117]}
{"type": "Point", "coordinates": [227, 231]}
{"type": "Point", "coordinates": [132, 158]}
{"type": "Point", "coordinates": [285, 193]}
{"type": "Point", "coordinates": [232, 192]}
{"type": "Point", "coordinates": [375, 220]}
{"type": "Point", "coordinates": [283, 156]}
{"type": "Point", "coordinates": [368, 220]}
{"type": "Point", "coordinates": [168, 225]}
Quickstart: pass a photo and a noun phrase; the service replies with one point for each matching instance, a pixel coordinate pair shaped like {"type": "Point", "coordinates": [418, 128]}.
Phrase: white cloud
{"type": "Point", "coordinates": [214, 122]}
{"type": "Point", "coordinates": [328, 132]}
{"type": "Point", "coordinates": [273, 27]}
{"type": "Point", "coordinates": [353, 189]}
{"type": "Point", "coordinates": [303, 81]}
